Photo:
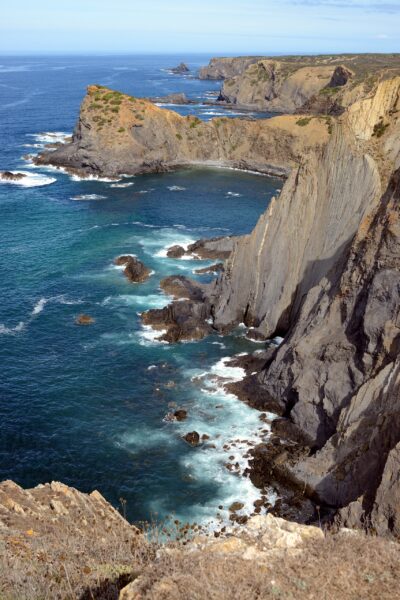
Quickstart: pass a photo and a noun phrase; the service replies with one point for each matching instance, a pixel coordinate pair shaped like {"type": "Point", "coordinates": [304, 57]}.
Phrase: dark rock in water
{"type": "Point", "coordinates": [180, 286]}
{"type": "Point", "coordinates": [84, 320]}
{"type": "Point", "coordinates": [181, 69]}
{"type": "Point", "coordinates": [212, 248]}
{"type": "Point", "coordinates": [175, 251]}
{"type": "Point", "coordinates": [192, 438]}
{"type": "Point", "coordinates": [179, 98]}
{"type": "Point", "coordinates": [235, 506]}
{"type": "Point", "coordinates": [249, 390]}
{"type": "Point", "coordinates": [217, 268]}
{"type": "Point", "coordinates": [8, 176]}
{"type": "Point", "coordinates": [134, 270]}
{"type": "Point", "coordinates": [180, 415]}
{"type": "Point", "coordinates": [184, 321]}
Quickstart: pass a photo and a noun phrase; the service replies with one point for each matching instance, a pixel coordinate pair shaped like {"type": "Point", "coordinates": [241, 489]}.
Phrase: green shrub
{"type": "Point", "coordinates": [121, 130]}
{"type": "Point", "coordinates": [379, 129]}
{"type": "Point", "coordinates": [303, 121]}
{"type": "Point", "coordinates": [178, 136]}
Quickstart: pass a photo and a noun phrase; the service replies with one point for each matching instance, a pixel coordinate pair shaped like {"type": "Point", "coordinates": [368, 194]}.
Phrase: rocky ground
{"type": "Point", "coordinates": [59, 543]}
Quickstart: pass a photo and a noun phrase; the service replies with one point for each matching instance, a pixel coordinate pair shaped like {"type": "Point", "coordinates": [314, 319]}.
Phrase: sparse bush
{"type": "Point", "coordinates": [303, 121]}
{"type": "Point", "coordinates": [380, 128]}
{"type": "Point", "coordinates": [178, 136]}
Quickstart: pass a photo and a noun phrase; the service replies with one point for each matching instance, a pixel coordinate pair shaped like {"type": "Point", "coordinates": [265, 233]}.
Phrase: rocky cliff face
{"type": "Point", "coordinates": [318, 85]}
{"type": "Point", "coordinates": [223, 68]}
{"type": "Point", "coordinates": [117, 134]}
{"type": "Point", "coordinates": [335, 290]}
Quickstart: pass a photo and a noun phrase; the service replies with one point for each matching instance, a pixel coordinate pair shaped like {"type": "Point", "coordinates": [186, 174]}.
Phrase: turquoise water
{"type": "Point", "coordinates": [85, 405]}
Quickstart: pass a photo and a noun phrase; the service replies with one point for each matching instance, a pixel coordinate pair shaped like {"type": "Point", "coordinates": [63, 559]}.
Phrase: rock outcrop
{"type": "Point", "coordinates": [54, 538]}
{"type": "Point", "coordinates": [315, 84]}
{"type": "Point", "coordinates": [134, 270]}
{"type": "Point", "coordinates": [9, 176]}
{"type": "Point", "coordinates": [335, 378]}
{"type": "Point", "coordinates": [224, 68]}
{"type": "Point", "coordinates": [117, 134]}
{"type": "Point", "coordinates": [181, 69]}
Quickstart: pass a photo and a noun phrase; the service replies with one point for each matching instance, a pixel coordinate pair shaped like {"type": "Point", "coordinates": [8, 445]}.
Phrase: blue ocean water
{"type": "Point", "coordinates": [85, 405]}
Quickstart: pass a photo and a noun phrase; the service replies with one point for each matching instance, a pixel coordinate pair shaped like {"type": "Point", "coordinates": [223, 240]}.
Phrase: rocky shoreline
{"type": "Point", "coordinates": [320, 269]}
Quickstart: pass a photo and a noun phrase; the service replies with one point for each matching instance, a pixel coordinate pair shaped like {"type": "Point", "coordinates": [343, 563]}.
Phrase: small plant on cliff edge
{"type": "Point", "coordinates": [178, 136]}
{"type": "Point", "coordinates": [121, 130]}
{"type": "Point", "coordinates": [380, 128]}
{"type": "Point", "coordinates": [303, 121]}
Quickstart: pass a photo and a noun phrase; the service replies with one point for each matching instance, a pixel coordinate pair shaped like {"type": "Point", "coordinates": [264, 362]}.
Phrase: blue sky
{"type": "Point", "coordinates": [208, 26]}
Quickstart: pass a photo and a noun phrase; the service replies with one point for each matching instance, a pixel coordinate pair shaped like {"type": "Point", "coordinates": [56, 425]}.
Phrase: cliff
{"type": "Point", "coordinates": [118, 134]}
{"type": "Point", "coordinates": [327, 276]}
{"type": "Point", "coordinates": [224, 68]}
{"type": "Point", "coordinates": [314, 84]}
{"type": "Point", "coordinates": [56, 542]}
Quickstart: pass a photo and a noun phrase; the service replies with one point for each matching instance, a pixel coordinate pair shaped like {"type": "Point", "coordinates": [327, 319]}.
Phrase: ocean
{"type": "Point", "coordinates": [85, 405]}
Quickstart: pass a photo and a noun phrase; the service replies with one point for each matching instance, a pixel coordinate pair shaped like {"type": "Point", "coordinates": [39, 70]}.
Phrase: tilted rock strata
{"type": "Point", "coordinates": [316, 84]}
{"type": "Point", "coordinates": [117, 134]}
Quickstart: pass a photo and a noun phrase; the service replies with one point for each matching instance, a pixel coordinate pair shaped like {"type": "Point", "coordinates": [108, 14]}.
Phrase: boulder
{"type": "Point", "coordinates": [175, 251]}
{"type": "Point", "coordinates": [192, 438]}
{"type": "Point", "coordinates": [180, 414]}
{"type": "Point", "coordinates": [84, 320]}
{"type": "Point", "coordinates": [134, 270]}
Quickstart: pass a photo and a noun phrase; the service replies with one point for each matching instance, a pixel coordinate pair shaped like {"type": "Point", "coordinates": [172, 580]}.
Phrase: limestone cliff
{"type": "Point", "coordinates": [118, 134]}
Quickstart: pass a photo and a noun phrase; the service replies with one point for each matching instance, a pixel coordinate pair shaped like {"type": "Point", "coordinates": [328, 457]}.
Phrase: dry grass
{"type": "Point", "coordinates": [346, 567]}
{"type": "Point", "coordinates": [65, 565]}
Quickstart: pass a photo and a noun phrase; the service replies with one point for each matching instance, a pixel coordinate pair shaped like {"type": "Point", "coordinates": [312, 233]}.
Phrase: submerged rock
{"type": "Point", "coordinates": [84, 320]}
{"type": "Point", "coordinates": [180, 414]}
{"type": "Point", "coordinates": [192, 438]}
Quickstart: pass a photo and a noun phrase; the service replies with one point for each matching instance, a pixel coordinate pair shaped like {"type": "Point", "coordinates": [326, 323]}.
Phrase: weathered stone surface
{"type": "Point", "coordinates": [212, 248]}
{"type": "Point", "coordinates": [134, 270]}
{"type": "Point", "coordinates": [175, 251]}
{"type": "Point", "coordinates": [117, 134]}
{"type": "Point", "coordinates": [224, 68]}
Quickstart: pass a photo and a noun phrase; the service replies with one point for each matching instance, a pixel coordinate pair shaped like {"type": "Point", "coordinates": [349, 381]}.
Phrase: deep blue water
{"type": "Point", "coordinates": [85, 405]}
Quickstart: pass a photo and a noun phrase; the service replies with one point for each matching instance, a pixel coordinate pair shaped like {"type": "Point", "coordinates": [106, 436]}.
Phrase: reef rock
{"type": "Point", "coordinates": [134, 270]}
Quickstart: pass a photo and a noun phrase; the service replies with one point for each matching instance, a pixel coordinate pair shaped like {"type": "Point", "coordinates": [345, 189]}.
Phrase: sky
{"type": "Point", "coordinates": [199, 26]}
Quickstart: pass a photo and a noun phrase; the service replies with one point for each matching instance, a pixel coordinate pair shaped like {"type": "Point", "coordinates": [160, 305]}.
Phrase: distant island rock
{"type": "Point", "coordinates": [181, 69]}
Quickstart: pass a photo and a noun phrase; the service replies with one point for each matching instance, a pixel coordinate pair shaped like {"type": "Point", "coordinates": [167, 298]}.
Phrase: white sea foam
{"type": "Point", "coordinates": [89, 197]}
{"type": "Point", "coordinates": [50, 137]}
{"type": "Point", "coordinates": [176, 188]}
{"type": "Point", "coordinates": [122, 185]}
{"type": "Point", "coordinates": [149, 301]}
{"type": "Point", "coordinates": [11, 330]}
{"type": "Point", "coordinates": [30, 180]}
{"type": "Point", "coordinates": [92, 178]}
{"type": "Point", "coordinates": [149, 336]}
{"type": "Point", "coordinates": [234, 194]}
